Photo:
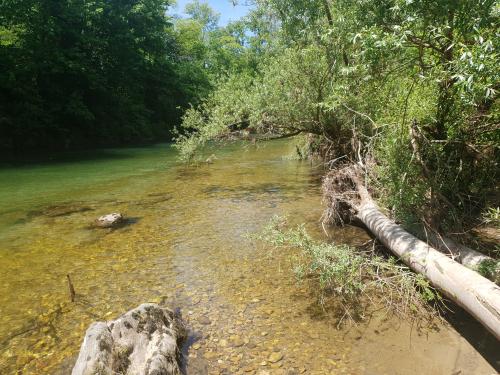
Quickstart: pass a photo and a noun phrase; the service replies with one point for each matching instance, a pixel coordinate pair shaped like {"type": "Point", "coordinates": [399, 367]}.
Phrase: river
{"type": "Point", "coordinates": [186, 245]}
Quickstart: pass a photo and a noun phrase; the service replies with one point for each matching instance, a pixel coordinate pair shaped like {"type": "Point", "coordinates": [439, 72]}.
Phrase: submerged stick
{"type": "Point", "coordinates": [72, 293]}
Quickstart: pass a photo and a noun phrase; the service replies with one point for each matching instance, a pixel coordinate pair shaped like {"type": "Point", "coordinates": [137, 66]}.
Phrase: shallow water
{"type": "Point", "coordinates": [185, 245]}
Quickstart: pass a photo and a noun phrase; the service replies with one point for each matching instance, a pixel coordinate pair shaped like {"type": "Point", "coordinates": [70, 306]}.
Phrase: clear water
{"type": "Point", "coordinates": [185, 245]}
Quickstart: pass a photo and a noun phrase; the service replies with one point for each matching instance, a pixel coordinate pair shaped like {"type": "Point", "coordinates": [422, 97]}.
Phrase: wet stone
{"type": "Point", "coordinates": [204, 320]}
{"type": "Point", "coordinates": [236, 341]}
{"type": "Point", "coordinates": [275, 357]}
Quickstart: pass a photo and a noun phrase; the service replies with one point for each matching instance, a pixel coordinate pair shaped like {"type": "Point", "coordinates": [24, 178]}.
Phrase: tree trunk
{"type": "Point", "coordinates": [476, 294]}
{"type": "Point", "coordinates": [470, 258]}
{"type": "Point", "coordinates": [346, 195]}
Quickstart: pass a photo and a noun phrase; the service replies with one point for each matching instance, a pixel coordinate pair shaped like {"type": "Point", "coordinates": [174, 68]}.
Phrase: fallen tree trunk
{"type": "Point", "coordinates": [470, 258]}
{"type": "Point", "coordinates": [476, 294]}
{"type": "Point", "coordinates": [461, 253]}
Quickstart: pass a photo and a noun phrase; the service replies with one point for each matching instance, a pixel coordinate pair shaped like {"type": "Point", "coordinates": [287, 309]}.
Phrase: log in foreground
{"type": "Point", "coordinates": [145, 340]}
{"type": "Point", "coordinates": [476, 294]}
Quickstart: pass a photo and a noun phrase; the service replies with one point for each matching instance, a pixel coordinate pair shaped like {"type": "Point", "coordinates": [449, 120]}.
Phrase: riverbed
{"type": "Point", "coordinates": [186, 245]}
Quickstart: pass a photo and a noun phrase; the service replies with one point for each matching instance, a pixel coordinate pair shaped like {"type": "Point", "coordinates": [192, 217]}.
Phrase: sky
{"type": "Point", "coordinates": [228, 12]}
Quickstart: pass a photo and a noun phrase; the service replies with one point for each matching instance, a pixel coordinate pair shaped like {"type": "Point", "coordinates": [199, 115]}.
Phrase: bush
{"type": "Point", "coordinates": [354, 283]}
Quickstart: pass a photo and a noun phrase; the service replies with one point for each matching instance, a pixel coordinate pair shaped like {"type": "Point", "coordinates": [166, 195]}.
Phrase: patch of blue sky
{"type": "Point", "coordinates": [229, 10]}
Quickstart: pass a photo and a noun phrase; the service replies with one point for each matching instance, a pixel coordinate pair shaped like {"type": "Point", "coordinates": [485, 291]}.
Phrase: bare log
{"type": "Point", "coordinates": [476, 294]}
{"type": "Point", "coordinates": [470, 258]}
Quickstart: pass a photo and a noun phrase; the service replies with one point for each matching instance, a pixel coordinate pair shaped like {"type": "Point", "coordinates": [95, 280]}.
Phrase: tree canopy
{"type": "Point", "coordinates": [410, 87]}
{"type": "Point", "coordinates": [87, 73]}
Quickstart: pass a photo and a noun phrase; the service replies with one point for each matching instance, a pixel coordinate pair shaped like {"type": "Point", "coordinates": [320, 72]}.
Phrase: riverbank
{"type": "Point", "coordinates": [187, 248]}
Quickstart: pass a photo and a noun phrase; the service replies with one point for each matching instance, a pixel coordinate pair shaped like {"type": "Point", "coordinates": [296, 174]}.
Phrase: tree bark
{"type": "Point", "coordinates": [470, 258]}
{"type": "Point", "coordinates": [476, 294]}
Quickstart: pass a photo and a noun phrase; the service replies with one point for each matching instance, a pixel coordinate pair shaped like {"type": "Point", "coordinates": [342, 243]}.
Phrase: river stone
{"type": "Point", "coordinates": [275, 357]}
{"type": "Point", "coordinates": [204, 320]}
{"type": "Point", "coordinates": [109, 220]}
{"type": "Point", "coordinates": [143, 341]}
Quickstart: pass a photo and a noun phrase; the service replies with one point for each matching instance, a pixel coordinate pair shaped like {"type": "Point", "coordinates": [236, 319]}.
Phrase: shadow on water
{"type": "Point", "coordinates": [69, 157]}
{"type": "Point", "coordinates": [478, 336]}
{"type": "Point", "coordinates": [190, 172]}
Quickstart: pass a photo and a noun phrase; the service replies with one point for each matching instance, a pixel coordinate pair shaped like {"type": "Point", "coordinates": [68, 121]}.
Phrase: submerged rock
{"type": "Point", "coordinates": [110, 220]}
{"type": "Point", "coordinates": [143, 341]}
{"type": "Point", "coordinates": [64, 209]}
{"type": "Point", "coordinates": [211, 159]}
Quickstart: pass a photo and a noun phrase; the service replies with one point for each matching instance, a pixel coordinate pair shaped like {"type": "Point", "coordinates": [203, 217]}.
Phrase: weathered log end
{"type": "Point", "coordinates": [340, 196]}
{"type": "Point", "coordinates": [145, 340]}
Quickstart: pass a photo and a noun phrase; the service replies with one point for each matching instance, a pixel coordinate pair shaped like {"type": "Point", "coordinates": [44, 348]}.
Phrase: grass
{"type": "Point", "coordinates": [352, 282]}
{"type": "Point", "coordinates": [491, 216]}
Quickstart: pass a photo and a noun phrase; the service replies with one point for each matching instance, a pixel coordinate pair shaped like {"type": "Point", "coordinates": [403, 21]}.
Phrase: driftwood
{"type": "Point", "coordinates": [71, 288]}
{"type": "Point", "coordinates": [470, 258]}
{"type": "Point", "coordinates": [346, 192]}
{"type": "Point", "coordinates": [145, 341]}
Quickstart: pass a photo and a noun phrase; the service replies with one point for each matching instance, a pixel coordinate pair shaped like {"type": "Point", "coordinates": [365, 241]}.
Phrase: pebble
{"type": "Point", "coordinates": [204, 320]}
{"type": "Point", "coordinates": [210, 355]}
{"type": "Point", "coordinates": [275, 357]}
{"type": "Point", "coordinates": [196, 346]}
{"type": "Point", "coordinates": [236, 341]}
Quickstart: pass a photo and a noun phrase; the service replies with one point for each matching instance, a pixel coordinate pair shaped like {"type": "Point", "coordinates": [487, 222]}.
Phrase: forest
{"type": "Point", "coordinates": [87, 74]}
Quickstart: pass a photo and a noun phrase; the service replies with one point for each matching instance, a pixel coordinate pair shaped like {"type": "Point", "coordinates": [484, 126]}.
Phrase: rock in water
{"type": "Point", "coordinates": [144, 341]}
{"type": "Point", "coordinates": [110, 220]}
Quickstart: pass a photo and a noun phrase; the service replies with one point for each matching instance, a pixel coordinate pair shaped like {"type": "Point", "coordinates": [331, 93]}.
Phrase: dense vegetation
{"type": "Point", "coordinates": [352, 284]}
{"type": "Point", "coordinates": [407, 89]}
{"type": "Point", "coordinates": [87, 73]}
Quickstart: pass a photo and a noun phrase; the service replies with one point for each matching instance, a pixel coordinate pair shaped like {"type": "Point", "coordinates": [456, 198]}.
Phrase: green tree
{"type": "Point", "coordinates": [408, 87]}
{"type": "Point", "coordinates": [88, 73]}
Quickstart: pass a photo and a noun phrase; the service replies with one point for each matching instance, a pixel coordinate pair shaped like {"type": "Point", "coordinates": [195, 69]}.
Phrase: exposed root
{"type": "Point", "coordinates": [341, 195]}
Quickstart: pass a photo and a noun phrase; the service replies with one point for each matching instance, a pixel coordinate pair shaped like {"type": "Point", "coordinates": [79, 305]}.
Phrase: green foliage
{"type": "Point", "coordinates": [358, 76]}
{"type": "Point", "coordinates": [492, 216]}
{"type": "Point", "coordinates": [89, 73]}
{"type": "Point", "coordinates": [490, 269]}
{"type": "Point", "coordinates": [354, 281]}
{"type": "Point", "coordinates": [202, 13]}
{"type": "Point", "coordinates": [217, 109]}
